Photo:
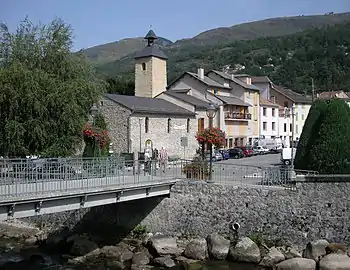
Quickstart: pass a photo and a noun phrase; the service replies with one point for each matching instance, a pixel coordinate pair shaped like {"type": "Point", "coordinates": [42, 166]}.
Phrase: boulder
{"type": "Point", "coordinates": [164, 245]}
{"type": "Point", "coordinates": [141, 267]}
{"type": "Point", "coordinates": [273, 257]}
{"type": "Point", "coordinates": [197, 249]}
{"type": "Point", "coordinates": [189, 264]}
{"type": "Point", "coordinates": [141, 258]}
{"type": "Point", "coordinates": [82, 246]}
{"type": "Point", "coordinates": [297, 264]}
{"type": "Point", "coordinates": [335, 261]}
{"type": "Point", "coordinates": [315, 249]}
{"type": "Point", "coordinates": [31, 240]}
{"type": "Point", "coordinates": [336, 248]}
{"type": "Point", "coordinates": [291, 253]}
{"type": "Point", "coordinates": [245, 251]}
{"type": "Point", "coordinates": [218, 246]}
{"type": "Point", "coordinates": [165, 261]}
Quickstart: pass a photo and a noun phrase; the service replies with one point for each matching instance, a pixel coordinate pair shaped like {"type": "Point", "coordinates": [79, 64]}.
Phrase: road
{"type": "Point", "coordinates": [258, 161]}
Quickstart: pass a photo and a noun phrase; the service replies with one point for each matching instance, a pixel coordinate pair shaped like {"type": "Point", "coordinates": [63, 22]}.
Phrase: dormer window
{"type": "Point", "coordinates": [143, 66]}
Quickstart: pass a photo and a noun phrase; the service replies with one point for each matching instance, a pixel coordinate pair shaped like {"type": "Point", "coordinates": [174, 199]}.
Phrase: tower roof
{"type": "Point", "coordinates": [151, 49]}
{"type": "Point", "coordinates": [151, 35]}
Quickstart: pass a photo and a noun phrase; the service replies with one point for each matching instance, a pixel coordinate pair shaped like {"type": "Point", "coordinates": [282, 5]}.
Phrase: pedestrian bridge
{"type": "Point", "coordinates": [37, 187]}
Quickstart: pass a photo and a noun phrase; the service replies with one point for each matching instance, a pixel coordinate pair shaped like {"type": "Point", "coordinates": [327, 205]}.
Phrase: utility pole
{"type": "Point", "coordinates": [313, 89]}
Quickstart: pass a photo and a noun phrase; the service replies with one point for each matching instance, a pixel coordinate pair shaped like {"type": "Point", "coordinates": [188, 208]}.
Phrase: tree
{"type": "Point", "coordinates": [307, 136]}
{"type": "Point", "coordinates": [329, 149]}
{"type": "Point", "coordinates": [45, 90]}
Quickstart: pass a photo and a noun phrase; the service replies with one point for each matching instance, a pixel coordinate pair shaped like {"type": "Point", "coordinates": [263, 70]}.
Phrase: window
{"type": "Point", "coordinates": [285, 127]}
{"type": "Point", "coordinates": [146, 124]}
{"type": "Point", "coordinates": [264, 125]}
{"type": "Point", "coordinates": [143, 66]}
{"type": "Point", "coordinates": [169, 125]}
{"type": "Point", "coordinates": [215, 91]}
{"type": "Point", "coordinates": [273, 126]}
{"type": "Point", "coordinates": [264, 111]}
{"type": "Point", "coordinates": [101, 103]}
{"type": "Point", "coordinates": [290, 127]}
{"type": "Point", "coordinates": [188, 125]}
{"type": "Point", "coordinates": [296, 116]}
{"type": "Point", "coordinates": [285, 104]}
{"type": "Point", "coordinates": [273, 112]}
{"type": "Point", "coordinates": [302, 117]}
{"type": "Point", "coordinates": [273, 99]}
{"type": "Point", "coordinates": [200, 124]}
{"type": "Point", "coordinates": [296, 129]}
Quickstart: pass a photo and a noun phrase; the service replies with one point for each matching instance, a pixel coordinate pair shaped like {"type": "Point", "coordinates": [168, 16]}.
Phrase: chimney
{"type": "Point", "coordinates": [232, 76]}
{"type": "Point", "coordinates": [201, 73]}
{"type": "Point", "coordinates": [249, 80]}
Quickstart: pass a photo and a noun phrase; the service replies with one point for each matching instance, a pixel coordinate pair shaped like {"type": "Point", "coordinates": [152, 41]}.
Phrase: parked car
{"type": "Point", "coordinates": [247, 151]}
{"type": "Point", "coordinates": [217, 156]}
{"type": "Point", "coordinates": [236, 153]}
{"type": "Point", "coordinates": [225, 154]}
{"type": "Point", "coordinates": [260, 150]}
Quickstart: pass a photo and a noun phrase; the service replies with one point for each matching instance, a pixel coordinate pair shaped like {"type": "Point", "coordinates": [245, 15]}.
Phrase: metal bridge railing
{"type": "Point", "coordinates": [53, 177]}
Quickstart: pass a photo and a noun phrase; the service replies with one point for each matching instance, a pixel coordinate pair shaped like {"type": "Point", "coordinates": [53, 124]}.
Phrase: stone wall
{"type": "Point", "coordinates": [312, 211]}
{"type": "Point", "coordinates": [289, 216]}
{"type": "Point", "coordinates": [116, 117]}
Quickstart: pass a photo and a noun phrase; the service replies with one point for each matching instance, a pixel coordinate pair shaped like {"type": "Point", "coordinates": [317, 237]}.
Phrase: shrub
{"type": "Point", "coordinates": [329, 147]}
{"type": "Point", "coordinates": [310, 128]}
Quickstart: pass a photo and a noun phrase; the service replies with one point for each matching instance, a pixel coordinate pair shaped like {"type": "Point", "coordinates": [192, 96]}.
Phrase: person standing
{"type": "Point", "coordinates": [163, 159]}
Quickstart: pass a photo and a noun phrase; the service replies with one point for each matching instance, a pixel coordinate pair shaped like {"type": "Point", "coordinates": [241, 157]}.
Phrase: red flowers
{"type": "Point", "coordinates": [98, 135]}
{"type": "Point", "coordinates": [213, 135]}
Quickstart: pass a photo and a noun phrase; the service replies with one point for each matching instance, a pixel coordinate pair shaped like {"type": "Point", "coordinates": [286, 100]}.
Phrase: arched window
{"type": "Point", "coordinates": [146, 125]}
{"type": "Point", "coordinates": [169, 125]}
{"type": "Point", "coordinates": [188, 125]}
{"type": "Point", "coordinates": [143, 66]}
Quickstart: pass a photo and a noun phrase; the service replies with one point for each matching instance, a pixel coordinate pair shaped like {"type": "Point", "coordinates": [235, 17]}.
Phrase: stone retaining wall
{"type": "Point", "coordinates": [283, 216]}
{"type": "Point", "coordinates": [311, 211]}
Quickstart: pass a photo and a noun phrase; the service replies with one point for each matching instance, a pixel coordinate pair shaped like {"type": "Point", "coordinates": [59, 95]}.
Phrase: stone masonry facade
{"type": "Point", "coordinates": [117, 119]}
{"type": "Point", "coordinates": [159, 135]}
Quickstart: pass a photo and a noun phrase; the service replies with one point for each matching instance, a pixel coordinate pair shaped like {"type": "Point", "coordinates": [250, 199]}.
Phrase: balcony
{"type": "Point", "coordinates": [237, 116]}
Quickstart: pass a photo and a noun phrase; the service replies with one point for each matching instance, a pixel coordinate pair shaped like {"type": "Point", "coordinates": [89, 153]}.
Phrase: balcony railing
{"type": "Point", "coordinates": [239, 116]}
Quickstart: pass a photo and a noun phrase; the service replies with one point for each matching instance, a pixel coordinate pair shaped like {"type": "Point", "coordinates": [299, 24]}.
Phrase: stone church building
{"type": "Point", "coordinates": [150, 118]}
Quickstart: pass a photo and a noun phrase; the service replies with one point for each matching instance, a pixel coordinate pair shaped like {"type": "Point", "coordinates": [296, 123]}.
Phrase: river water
{"type": "Point", "coordinates": [12, 251]}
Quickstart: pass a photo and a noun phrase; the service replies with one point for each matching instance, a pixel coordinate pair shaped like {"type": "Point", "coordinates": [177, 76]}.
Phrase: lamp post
{"type": "Point", "coordinates": [292, 158]}
{"type": "Point", "coordinates": [211, 112]}
{"type": "Point", "coordinates": [93, 112]}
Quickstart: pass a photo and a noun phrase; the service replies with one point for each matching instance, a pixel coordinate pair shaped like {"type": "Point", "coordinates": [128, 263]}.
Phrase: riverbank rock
{"type": "Point", "coordinates": [165, 261]}
{"type": "Point", "coordinates": [33, 263]}
{"type": "Point", "coordinates": [245, 251]}
{"type": "Point", "coordinates": [315, 249]}
{"type": "Point", "coordinates": [291, 253]}
{"type": "Point", "coordinates": [197, 249]}
{"type": "Point", "coordinates": [164, 245]}
{"type": "Point", "coordinates": [273, 257]}
{"type": "Point", "coordinates": [189, 264]}
{"type": "Point", "coordinates": [141, 258]}
{"type": "Point", "coordinates": [335, 262]}
{"type": "Point", "coordinates": [141, 267]}
{"type": "Point", "coordinates": [336, 248]}
{"type": "Point", "coordinates": [297, 264]}
{"type": "Point", "coordinates": [218, 246]}
{"type": "Point", "coordinates": [82, 246]}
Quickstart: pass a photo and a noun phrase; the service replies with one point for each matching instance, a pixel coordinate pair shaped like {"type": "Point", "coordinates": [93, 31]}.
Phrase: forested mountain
{"type": "Point", "coordinates": [113, 51]}
{"type": "Point", "coordinates": [321, 54]}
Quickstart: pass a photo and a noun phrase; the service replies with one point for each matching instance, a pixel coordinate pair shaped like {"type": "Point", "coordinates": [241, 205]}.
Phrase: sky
{"type": "Point", "coordinates": [97, 22]}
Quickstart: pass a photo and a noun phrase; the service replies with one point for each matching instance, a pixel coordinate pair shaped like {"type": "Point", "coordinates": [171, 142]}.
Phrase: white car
{"type": "Point", "coordinates": [261, 150]}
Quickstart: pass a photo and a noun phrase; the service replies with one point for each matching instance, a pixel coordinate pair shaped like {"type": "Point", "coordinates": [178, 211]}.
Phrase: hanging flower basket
{"type": "Point", "coordinates": [96, 135]}
{"type": "Point", "coordinates": [214, 136]}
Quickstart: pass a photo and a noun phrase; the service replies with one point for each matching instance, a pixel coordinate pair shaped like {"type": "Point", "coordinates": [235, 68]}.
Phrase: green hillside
{"type": "Point", "coordinates": [322, 54]}
{"type": "Point", "coordinates": [113, 51]}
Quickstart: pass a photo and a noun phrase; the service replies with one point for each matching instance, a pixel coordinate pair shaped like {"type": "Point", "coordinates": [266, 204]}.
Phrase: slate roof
{"type": "Point", "coordinates": [260, 79]}
{"type": "Point", "coordinates": [348, 93]}
{"type": "Point", "coordinates": [235, 80]}
{"type": "Point", "coordinates": [233, 101]}
{"type": "Point", "coordinates": [152, 50]}
{"type": "Point", "coordinates": [333, 94]}
{"type": "Point", "coordinates": [296, 97]}
{"type": "Point", "coordinates": [265, 102]}
{"type": "Point", "coordinates": [198, 103]}
{"type": "Point", "coordinates": [149, 105]}
{"type": "Point", "coordinates": [206, 80]}
{"type": "Point", "coordinates": [151, 35]}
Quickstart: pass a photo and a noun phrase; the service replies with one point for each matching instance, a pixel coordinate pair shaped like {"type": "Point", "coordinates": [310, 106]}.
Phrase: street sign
{"type": "Point", "coordinates": [184, 141]}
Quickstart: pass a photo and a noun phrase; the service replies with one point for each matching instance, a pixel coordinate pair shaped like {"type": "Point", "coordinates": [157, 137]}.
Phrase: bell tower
{"type": "Point", "coordinates": [150, 69]}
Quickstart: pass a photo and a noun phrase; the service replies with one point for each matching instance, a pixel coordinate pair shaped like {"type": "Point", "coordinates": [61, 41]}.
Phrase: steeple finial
{"type": "Point", "coordinates": [151, 37]}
